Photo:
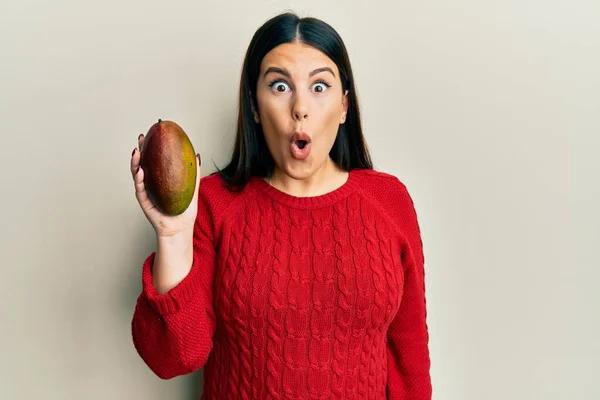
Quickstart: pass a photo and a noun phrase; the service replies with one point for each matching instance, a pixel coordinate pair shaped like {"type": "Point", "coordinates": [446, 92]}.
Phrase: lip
{"type": "Point", "coordinates": [300, 136]}
{"type": "Point", "coordinates": [297, 152]}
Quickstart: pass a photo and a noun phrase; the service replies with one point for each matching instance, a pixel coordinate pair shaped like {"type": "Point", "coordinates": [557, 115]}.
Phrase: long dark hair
{"type": "Point", "coordinates": [251, 156]}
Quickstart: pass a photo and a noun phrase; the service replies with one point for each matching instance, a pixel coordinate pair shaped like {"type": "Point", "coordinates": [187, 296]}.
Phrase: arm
{"type": "Point", "coordinates": [407, 348]}
{"type": "Point", "coordinates": [173, 326]}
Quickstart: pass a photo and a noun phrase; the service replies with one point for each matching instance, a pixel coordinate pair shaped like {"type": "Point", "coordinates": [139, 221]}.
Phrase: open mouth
{"type": "Point", "coordinates": [300, 145]}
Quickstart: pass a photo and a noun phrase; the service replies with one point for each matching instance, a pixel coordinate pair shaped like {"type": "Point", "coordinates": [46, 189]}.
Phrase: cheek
{"type": "Point", "coordinates": [328, 107]}
{"type": "Point", "coordinates": [272, 114]}
{"type": "Point", "coordinates": [329, 117]}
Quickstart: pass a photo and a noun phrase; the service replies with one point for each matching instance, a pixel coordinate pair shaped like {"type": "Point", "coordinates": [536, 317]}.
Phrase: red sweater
{"type": "Point", "coordinates": [296, 298]}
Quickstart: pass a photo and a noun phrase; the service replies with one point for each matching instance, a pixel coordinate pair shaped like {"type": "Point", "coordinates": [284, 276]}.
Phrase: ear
{"type": "Point", "coordinates": [344, 107]}
{"type": "Point", "coordinates": [254, 113]}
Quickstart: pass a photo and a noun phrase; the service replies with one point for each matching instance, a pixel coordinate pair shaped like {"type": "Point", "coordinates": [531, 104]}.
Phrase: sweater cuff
{"type": "Point", "coordinates": [176, 298]}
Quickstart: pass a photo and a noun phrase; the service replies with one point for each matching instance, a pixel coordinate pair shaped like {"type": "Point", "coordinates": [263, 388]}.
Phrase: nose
{"type": "Point", "coordinates": [300, 108]}
{"type": "Point", "coordinates": [298, 116]}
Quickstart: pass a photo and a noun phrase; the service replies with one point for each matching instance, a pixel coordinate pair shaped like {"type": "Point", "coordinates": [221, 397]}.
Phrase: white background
{"type": "Point", "coordinates": [488, 111]}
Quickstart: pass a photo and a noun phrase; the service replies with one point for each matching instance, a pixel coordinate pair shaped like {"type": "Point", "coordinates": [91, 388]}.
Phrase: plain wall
{"type": "Point", "coordinates": [488, 111]}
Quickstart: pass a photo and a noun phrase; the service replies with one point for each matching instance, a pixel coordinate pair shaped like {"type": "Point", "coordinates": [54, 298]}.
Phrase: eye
{"type": "Point", "coordinates": [321, 86]}
{"type": "Point", "coordinates": [279, 86]}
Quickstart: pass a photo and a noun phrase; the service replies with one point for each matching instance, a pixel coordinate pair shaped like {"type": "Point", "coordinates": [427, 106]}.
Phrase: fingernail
{"type": "Point", "coordinates": [139, 137]}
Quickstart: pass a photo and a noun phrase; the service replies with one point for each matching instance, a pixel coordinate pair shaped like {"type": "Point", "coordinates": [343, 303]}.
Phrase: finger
{"type": "Point", "coordinates": [138, 180]}
{"type": "Point", "coordinates": [140, 141]}
{"type": "Point", "coordinates": [135, 161]}
{"type": "Point", "coordinates": [195, 197]}
{"type": "Point", "coordinates": [148, 207]}
{"type": "Point", "coordinates": [193, 206]}
{"type": "Point", "coordinates": [140, 189]}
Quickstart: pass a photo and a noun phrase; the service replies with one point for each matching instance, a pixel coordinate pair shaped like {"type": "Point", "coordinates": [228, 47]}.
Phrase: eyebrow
{"type": "Point", "coordinates": [287, 74]}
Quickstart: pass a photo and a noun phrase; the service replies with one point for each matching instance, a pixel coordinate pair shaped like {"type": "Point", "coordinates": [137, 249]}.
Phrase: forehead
{"type": "Point", "coordinates": [298, 58]}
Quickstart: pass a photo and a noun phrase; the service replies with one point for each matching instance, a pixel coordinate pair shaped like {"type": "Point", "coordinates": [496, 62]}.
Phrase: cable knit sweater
{"type": "Point", "coordinates": [296, 297]}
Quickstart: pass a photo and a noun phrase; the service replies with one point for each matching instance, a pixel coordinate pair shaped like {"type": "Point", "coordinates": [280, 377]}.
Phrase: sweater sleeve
{"type": "Point", "coordinates": [172, 332]}
{"type": "Point", "coordinates": [407, 338]}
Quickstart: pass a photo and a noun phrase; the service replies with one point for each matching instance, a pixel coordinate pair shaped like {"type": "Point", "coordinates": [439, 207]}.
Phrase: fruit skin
{"type": "Point", "coordinates": [169, 162]}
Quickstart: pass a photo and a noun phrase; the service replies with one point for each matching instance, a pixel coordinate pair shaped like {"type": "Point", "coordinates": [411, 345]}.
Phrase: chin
{"type": "Point", "coordinates": [299, 170]}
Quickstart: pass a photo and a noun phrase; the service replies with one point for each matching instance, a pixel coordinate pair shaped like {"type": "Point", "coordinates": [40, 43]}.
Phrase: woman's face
{"type": "Point", "coordinates": [300, 107]}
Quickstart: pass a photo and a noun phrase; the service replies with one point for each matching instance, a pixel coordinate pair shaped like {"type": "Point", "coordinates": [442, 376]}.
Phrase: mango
{"type": "Point", "coordinates": [169, 162]}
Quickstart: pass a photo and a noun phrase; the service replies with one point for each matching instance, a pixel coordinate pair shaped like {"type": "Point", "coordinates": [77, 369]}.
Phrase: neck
{"type": "Point", "coordinates": [326, 179]}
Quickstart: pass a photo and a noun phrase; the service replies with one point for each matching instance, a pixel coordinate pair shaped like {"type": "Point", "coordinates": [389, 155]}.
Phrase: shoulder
{"type": "Point", "coordinates": [390, 195]}
{"type": "Point", "coordinates": [214, 189]}
{"type": "Point", "coordinates": [383, 187]}
{"type": "Point", "coordinates": [218, 200]}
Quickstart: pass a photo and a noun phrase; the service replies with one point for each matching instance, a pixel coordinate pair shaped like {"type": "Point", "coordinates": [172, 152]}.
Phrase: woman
{"type": "Point", "coordinates": [297, 272]}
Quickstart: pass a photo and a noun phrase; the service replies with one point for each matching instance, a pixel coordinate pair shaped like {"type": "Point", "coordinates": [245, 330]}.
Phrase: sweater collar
{"type": "Point", "coordinates": [308, 202]}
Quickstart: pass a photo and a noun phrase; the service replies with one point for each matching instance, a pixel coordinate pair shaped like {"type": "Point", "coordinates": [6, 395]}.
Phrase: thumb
{"type": "Point", "coordinates": [192, 209]}
{"type": "Point", "coordinates": [196, 190]}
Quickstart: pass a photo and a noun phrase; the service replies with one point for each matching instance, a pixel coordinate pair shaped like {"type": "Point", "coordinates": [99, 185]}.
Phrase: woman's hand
{"type": "Point", "coordinates": [168, 228]}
